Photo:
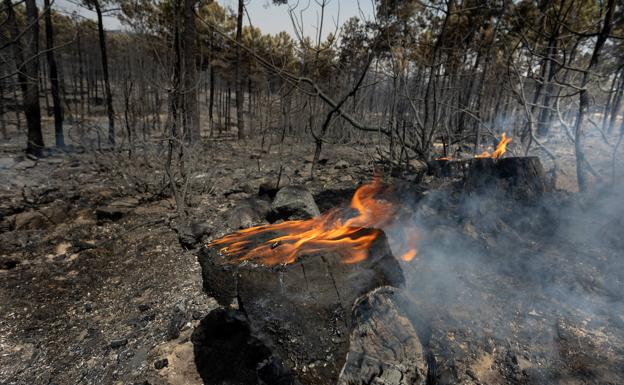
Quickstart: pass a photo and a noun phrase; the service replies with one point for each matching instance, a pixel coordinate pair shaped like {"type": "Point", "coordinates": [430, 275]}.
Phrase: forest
{"type": "Point", "coordinates": [428, 192]}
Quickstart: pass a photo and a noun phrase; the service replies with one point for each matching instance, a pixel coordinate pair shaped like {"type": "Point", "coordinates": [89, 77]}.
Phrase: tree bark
{"type": "Point", "coordinates": [239, 81]}
{"type": "Point", "coordinates": [54, 80]}
{"type": "Point", "coordinates": [107, 87]}
{"type": "Point", "coordinates": [31, 89]}
{"type": "Point", "coordinates": [190, 82]}
{"type": "Point", "coordinates": [584, 95]}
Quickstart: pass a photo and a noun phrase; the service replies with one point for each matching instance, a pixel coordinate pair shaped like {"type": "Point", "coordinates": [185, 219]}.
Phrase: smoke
{"type": "Point", "coordinates": [527, 274]}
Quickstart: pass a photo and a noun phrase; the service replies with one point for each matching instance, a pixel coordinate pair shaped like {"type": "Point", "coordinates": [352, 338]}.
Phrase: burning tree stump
{"type": "Point", "coordinates": [519, 177]}
{"type": "Point", "coordinates": [301, 311]}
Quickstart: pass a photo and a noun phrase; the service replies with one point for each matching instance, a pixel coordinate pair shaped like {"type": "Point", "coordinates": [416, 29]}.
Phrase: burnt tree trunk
{"type": "Point", "coordinates": [239, 77]}
{"type": "Point", "coordinates": [31, 90]}
{"type": "Point", "coordinates": [521, 178]}
{"type": "Point", "coordinates": [189, 73]}
{"type": "Point", "coordinates": [107, 88]}
{"type": "Point", "coordinates": [302, 311]}
{"type": "Point", "coordinates": [54, 78]}
{"type": "Point", "coordinates": [584, 95]}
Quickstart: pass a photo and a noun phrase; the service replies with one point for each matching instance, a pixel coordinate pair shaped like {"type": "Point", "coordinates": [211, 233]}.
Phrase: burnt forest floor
{"type": "Point", "coordinates": [94, 284]}
{"type": "Point", "coordinates": [96, 288]}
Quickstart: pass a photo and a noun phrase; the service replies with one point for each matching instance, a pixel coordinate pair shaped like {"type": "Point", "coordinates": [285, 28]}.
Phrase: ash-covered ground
{"type": "Point", "coordinates": [97, 288]}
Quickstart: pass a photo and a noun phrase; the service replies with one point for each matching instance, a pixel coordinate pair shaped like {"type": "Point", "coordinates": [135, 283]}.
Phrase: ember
{"type": "Point", "coordinates": [349, 232]}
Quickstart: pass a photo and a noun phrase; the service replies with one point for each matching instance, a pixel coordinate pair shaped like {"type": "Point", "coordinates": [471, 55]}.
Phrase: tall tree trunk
{"type": "Point", "coordinates": [212, 99]}
{"type": "Point", "coordinates": [31, 89]}
{"type": "Point", "coordinates": [544, 121]}
{"type": "Point", "coordinates": [3, 127]}
{"type": "Point", "coordinates": [584, 94]}
{"type": "Point", "coordinates": [54, 81]}
{"type": "Point", "coordinates": [239, 81]}
{"type": "Point", "coordinates": [189, 75]}
{"type": "Point", "coordinates": [617, 103]}
{"type": "Point", "coordinates": [31, 68]}
{"type": "Point", "coordinates": [107, 87]}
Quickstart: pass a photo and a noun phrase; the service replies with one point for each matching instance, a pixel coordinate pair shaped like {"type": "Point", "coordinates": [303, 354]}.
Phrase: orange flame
{"type": "Point", "coordinates": [351, 237]}
{"type": "Point", "coordinates": [498, 153]}
{"type": "Point", "coordinates": [500, 149]}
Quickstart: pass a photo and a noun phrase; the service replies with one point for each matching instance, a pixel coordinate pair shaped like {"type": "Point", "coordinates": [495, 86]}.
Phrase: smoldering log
{"type": "Point", "coordinates": [301, 311]}
{"type": "Point", "coordinates": [522, 178]}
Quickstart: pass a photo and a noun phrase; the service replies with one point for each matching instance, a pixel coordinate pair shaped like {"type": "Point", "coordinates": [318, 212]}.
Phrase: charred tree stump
{"type": "Point", "coordinates": [521, 178]}
{"type": "Point", "coordinates": [301, 311]}
{"type": "Point", "coordinates": [384, 347]}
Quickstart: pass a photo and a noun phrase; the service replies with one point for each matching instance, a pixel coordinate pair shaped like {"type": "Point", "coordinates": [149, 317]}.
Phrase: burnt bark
{"type": "Point", "coordinates": [521, 178]}
{"type": "Point", "coordinates": [31, 88]}
{"type": "Point", "coordinates": [239, 77]}
{"type": "Point", "coordinates": [27, 64]}
{"type": "Point", "coordinates": [54, 78]}
{"type": "Point", "coordinates": [189, 75]}
{"type": "Point", "coordinates": [301, 311]}
{"type": "Point", "coordinates": [584, 95]}
{"type": "Point", "coordinates": [107, 87]}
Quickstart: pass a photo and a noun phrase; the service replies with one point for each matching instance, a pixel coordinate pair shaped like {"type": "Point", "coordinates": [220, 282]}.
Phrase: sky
{"type": "Point", "coordinates": [266, 16]}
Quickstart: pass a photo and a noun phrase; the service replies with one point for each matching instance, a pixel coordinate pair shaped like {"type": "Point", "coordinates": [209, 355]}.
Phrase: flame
{"type": "Point", "coordinates": [500, 149]}
{"type": "Point", "coordinates": [498, 153]}
{"type": "Point", "coordinates": [349, 232]}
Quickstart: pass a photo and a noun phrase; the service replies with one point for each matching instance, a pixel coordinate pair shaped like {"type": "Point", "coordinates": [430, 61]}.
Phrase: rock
{"type": "Point", "coordinates": [127, 202]}
{"type": "Point", "coordinates": [341, 165]}
{"type": "Point", "coordinates": [268, 188]}
{"type": "Point", "coordinates": [384, 347]}
{"type": "Point", "coordinates": [25, 164]}
{"type": "Point", "coordinates": [30, 220]}
{"type": "Point", "coordinates": [56, 213]}
{"type": "Point", "coordinates": [118, 343]}
{"type": "Point", "coordinates": [293, 202]}
{"type": "Point", "coordinates": [116, 209]}
{"type": "Point", "coordinates": [110, 213]}
{"type": "Point", "coordinates": [160, 364]}
{"type": "Point", "coordinates": [6, 163]}
{"type": "Point", "coordinates": [249, 212]}
{"type": "Point", "coordinates": [177, 321]}
{"type": "Point", "coordinates": [192, 235]}
{"type": "Point", "coordinates": [7, 263]}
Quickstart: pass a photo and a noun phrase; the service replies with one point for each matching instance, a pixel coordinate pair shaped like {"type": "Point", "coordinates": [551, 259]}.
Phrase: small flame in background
{"type": "Point", "coordinates": [349, 232]}
{"type": "Point", "coordinates": [498, 153]}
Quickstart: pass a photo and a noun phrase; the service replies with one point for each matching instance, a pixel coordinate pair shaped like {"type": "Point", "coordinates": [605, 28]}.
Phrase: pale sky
{"type": "Point", "coordinates": [268, 17]}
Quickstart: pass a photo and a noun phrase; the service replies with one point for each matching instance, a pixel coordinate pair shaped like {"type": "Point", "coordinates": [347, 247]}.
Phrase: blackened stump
{"type": "Point", "coordinates": [521, 178]}
{"type": "Point", "coordinates": [302, 312]}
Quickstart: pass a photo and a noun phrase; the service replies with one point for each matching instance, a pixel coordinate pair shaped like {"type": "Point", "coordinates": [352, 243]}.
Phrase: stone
{"type": "Point", "coordinates": [341, 165]}
{"type": "Point", "coordinates": [175, 324]}
{"type": "Point", "coordinates": [247, 213]}
{"type": "Point", "coordinates": [30, 220]}
{"type": "Point", "coordinates": [110, 213]}
{"type": "Point", "coordinates": [127, 202]}
{"type": "Point", "coordinates": [294, 202]}
{"type": "Point", "coordinates": [160, 364]}
{"type": "Point", "coordinates": [7, 263]}
{"type": "Point", "coordinates": [56, 212]}
{"type": "Point", "coordinates": [192, 235]}
{"type": "Point", "coordinates": [117, 343]}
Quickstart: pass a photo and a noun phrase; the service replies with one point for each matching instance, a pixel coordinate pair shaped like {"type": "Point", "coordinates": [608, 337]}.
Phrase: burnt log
{"type": "Point", "coordinates": [521, 178]}
{"type": "Point", "coordinates": [384, 347]}
{"type": "Point", "coordinates": [302, 312]}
